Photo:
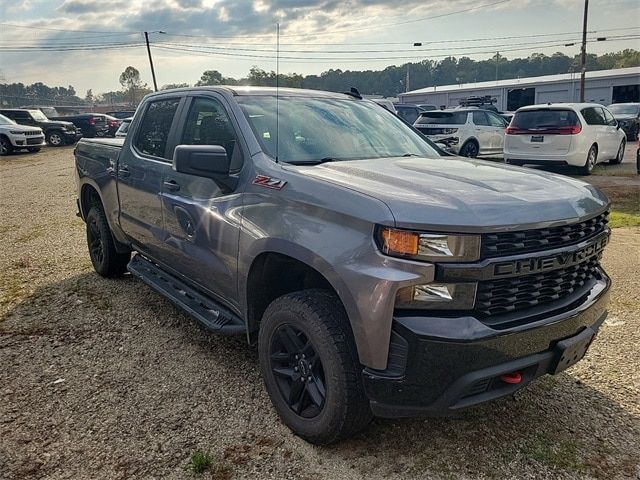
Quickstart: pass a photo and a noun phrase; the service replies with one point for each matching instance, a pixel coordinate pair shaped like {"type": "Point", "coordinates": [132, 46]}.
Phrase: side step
{"type": "Point", "coordinates": [208, 312]}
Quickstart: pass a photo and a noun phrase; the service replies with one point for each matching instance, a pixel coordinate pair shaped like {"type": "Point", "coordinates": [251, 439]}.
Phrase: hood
{"type": "Point", "coordinates": [625, 116]}
{"type": "Point", "coordinates": [459, 194]}
{"type": "Point", "coordinates": [21, 128]}
{"type": "Point", "coordinates": [57, 123]}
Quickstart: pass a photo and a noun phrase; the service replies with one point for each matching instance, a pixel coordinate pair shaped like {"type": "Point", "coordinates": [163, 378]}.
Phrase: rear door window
{"type": "Point", "coordinates": [155, 127]}
{"type": "Point", "coordinates": [594, 116]}
{"type": "Point", "coordinates": [609, 118]}
{"type": "Point", "coordinates": [544, 119]}
{"type": "Point", "coordinates": [480, 118]}
{"type": "Point", "coordinates": [408, 114]}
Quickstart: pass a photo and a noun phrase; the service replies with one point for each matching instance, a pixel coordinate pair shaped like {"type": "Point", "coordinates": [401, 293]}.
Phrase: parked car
{"type": "Point", "coordinates": [427, 107]}
{"type": "Point", "coordinates": [113, 125]}
{"type": "Point", "coordinates": [575, 134]}
{"type": "Point", "coordinates": [408, 112]}
{"type": "Point", "coordinates": [123, 128]}
{"type": "Point", "coordinates": [326, 235]}
{"type": "Point", "coordinates": [467, 132]}
{"type": "Point", "coordinates": [388, 104]}
{"type": "Point", "coordinates": [121, 114]}
{"type": "Point", "coordinates": [628, 117]}
{"type": "Point", "coordinates": [91, 124]}
{"type": "Point", "coordinates": [16, 137]}
{"type": "Point", "coordinates": [56, 132]}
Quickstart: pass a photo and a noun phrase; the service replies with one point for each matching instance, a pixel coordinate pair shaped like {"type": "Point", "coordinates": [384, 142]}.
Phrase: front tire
{"type": "Point", "coordinates": [310, 367]}
{"type": "Point", "coordinates": [5, 146]}
{"type": "Point", "coordinates": [54, 138]}
{"type": "Point", "coordinates": [590, 162]}
{"type": "Point", "coordinates": [620, 155]}
{"type": "Point", "coordinates": [105, 258]}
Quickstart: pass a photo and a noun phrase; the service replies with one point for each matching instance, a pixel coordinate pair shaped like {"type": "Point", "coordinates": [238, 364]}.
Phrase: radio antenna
{"type": "Point", "coordinates": [277, 89]}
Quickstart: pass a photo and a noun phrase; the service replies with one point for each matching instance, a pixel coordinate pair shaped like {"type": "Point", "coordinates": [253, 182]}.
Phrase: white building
{"type": "Point", "coordinates": [603, 86]}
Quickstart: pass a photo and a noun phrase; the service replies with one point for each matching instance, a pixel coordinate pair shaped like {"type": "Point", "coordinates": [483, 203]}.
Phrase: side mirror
{"type": "Point", "coordinates": [209, 161]}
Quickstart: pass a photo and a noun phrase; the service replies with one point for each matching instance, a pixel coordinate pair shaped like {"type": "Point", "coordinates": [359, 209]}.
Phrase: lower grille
{"type": "Point", "coordinates": [34, 141]}
{"type": "Point", "coordinates": [508, 295]}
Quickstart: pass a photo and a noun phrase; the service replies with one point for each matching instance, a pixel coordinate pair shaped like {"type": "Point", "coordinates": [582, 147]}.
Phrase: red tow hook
{"type": "Point", "coordinates": [512, 378]}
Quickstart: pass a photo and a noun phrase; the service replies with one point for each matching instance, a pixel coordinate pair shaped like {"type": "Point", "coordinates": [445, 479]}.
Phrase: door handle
{"type": "Point", "coordinates": [172, 186]}
{"type": "Point", "coordinates": [123, 171]}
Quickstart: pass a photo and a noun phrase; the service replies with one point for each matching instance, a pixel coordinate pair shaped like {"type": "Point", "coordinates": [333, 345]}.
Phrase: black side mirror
{"type": "Point", "coordinates": [209, 161]}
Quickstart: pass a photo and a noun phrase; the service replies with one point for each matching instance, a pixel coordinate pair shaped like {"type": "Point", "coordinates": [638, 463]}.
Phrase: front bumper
{"type": "Point", "coordinates": [440, 365]}
{"type": "Point", "coordinates": [27, 141]}
{"type": "Point", "coordinates": [72, 136]}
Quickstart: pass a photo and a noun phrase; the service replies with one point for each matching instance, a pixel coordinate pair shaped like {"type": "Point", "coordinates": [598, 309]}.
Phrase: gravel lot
{"type": "Point", "coordinates": [105, 379]}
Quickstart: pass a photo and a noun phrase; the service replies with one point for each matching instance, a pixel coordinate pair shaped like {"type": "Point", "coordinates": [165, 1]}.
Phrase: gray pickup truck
{"type": "Point", "coordinates": [375, 276]}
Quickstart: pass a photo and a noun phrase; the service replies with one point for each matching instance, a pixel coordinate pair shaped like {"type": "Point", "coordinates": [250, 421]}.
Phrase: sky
{"type": "Point", "coordinates": [40, 39]}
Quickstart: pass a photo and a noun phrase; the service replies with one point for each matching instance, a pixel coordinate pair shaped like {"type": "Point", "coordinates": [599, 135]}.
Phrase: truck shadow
{"type": "Point", "coordinates": [151, 361]}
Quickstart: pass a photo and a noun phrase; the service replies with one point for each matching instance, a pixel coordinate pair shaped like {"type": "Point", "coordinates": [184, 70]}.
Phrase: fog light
{"type": "Point", "coordinates": [437, 296]}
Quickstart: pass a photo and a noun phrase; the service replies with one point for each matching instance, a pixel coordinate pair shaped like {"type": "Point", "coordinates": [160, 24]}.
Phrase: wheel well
{"type": "Point", "coordinates": [88, 196]}
{"type": "Point", "coordinates": [471, 140]}
{"type": "Point", "coordinates": [273, 275]}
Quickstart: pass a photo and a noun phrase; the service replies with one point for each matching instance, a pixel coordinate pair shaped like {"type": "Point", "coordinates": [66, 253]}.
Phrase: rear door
{"type": "Point", "coordinates": [541, 132]}
{"type": "Point", "coordinates": [140, 171]}
{"type": "Point", "coordinates": [483, 132]}
{"type": "Point", "coordinates": [202, 231]}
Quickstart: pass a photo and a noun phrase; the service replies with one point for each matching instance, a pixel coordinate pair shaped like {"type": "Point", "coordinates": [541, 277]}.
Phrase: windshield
{"type": "Point", "coordinates": [330, 129]}
{"type": "Point", "coordinates": [6, 121]}
{"type": "Point", "coordinates": [38, 116]}
{"type": "Point", "coordinates": [624, 109]}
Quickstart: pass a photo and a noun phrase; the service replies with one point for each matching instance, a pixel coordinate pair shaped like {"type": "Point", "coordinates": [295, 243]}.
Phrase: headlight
{"type": "Point", "coordinates": [449, 131]}
{"type": "Point", "coordinates": [437, 296]}
{"type": "Point", "coordinates": [430, 247]}
{"type": "Point", "coordinates": [14, 132]}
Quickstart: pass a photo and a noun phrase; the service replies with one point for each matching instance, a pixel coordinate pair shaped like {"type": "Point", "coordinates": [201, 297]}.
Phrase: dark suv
{"type": "Point", "coordinates": [628, 117]}
{"type": "Point", "coordinates": [91, 124]}
{"type": "Point", "coordinates": [56, 132]}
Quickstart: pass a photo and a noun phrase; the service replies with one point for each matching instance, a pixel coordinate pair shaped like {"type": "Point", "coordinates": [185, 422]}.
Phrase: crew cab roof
{"type": "Point", "coordinates": [246, 90]}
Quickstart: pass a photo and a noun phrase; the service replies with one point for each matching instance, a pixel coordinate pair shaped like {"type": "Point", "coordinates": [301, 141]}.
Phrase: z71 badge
{"type": "Point", "coordinates": [269, 182]}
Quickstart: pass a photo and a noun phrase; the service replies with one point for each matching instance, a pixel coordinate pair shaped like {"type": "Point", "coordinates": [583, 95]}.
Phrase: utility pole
{"type": "Point", "coordinates": [153, 72]}
{"type": "Point", "coordinates": [497, 64]}
{"type": "Point", "coordinates": [407, 82]}
{"type": "Point", "coordinates": [583, 51]}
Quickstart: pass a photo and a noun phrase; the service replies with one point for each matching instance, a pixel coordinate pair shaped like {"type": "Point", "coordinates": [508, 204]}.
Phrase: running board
{"type": "Point", "coordinates": [208, 312]}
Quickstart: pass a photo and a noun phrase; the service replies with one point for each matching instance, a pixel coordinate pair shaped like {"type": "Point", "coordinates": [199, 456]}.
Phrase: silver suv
{"type": "Point", "coordinates": [466, 132]}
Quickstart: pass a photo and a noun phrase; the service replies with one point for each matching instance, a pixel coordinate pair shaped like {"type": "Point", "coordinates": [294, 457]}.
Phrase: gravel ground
{"type": "Point", "coordinates": [105, 379]}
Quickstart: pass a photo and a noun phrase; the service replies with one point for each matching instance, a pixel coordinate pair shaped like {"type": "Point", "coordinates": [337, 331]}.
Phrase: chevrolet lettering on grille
{"type": "Point", "coordinates": [541, 264]}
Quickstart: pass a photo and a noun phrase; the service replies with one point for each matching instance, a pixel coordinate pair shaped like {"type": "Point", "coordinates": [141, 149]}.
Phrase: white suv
{"type": "Point", "coordinates": [14, 136]}
{"type": "Point", "coordinates": [466, 132]}
{"type": "Point", "coordinates": [576, 134]}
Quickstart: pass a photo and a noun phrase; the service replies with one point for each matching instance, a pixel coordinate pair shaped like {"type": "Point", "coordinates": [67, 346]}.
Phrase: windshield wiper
{"type": "Point", "coordinates": [315, 162]}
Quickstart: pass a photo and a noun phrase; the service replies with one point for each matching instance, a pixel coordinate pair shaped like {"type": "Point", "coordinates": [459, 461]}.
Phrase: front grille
{"type": "Point", "coordinates": [512, 243]}
{"type": "Point", "coordinates": [495, 297]}
{"type": "Point", "coordinates": [33, 132]}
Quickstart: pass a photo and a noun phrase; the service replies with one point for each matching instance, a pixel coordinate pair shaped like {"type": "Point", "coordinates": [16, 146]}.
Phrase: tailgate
{"type": "Point", "coordinates": [538, 143]}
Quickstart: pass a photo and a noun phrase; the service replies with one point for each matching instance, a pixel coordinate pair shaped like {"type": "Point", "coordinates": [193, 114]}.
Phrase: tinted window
{"type": "Point", "coordinates": [209, 124]}
{"type": "Point", "coordinates": [443, 118]}
{"type": "Point", "coordinates": [480, 118]}
{"type": "Point", "coordinates": [624, 109]}
{"type": "Point", "coordinates": [609, 118]}
{"type": "Point", "coordinates": [544, 118]}
{"type": "Point", "coordinates": [155, 127]}
{"type": "Point", "coordinates": [594, 116]}
{"type": "Point", "coordinates": [408, 114]}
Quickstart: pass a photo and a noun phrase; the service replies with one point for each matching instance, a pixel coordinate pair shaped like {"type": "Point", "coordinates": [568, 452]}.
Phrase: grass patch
{"type": "Point", "coordinates": [555, 453]}
{"type": "Point", "coordinates": [622, 219]}
{"type": "Point", "coordinates": [201, 461]}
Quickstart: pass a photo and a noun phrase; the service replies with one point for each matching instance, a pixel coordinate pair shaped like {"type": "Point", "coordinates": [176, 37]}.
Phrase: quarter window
{"type": "Point", "coordinates": [155, 127]}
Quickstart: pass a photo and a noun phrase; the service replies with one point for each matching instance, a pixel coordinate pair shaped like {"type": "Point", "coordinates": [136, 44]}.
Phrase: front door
{"type": "Point", "coordinates": [202, 231]}
{"type": "Point", "coordinates": [498, 125]}
{"type": "Point", "coordinates": [140, 171]}
{"type": "Point", "coordinates": [483, 132]}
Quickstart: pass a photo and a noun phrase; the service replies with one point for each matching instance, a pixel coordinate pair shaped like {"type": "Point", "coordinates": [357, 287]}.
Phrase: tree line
{"type": "Point", "coordinates": [387, 82]}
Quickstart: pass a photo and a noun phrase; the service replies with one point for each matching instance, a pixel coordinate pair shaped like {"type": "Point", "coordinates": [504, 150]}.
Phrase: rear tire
{"type": "Point", "coordinates": [590, 162]}
{"type": "Point", "coordinates": [102, 251]}
{"type": "Point", "coordinates": [620, 155]}
{"type": "Point", "coordinates": [5, 146]}
{"type": "Point", "coordinates": [470, 149]}
{"type": "Point", "coordinates": [320, 396]}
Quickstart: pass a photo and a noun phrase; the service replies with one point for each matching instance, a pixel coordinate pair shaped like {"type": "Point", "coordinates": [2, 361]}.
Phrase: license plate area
{"type": "Point", "coordinates": [537, 138]}
{"type": "Point", "coordinates": [570, 351]}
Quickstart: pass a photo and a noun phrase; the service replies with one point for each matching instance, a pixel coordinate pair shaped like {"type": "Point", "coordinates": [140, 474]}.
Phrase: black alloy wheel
{"type": "Point", "coordinates": [469, 149]}
{"type": "Point", "coordinates": [94, 239]}
{"type": "Point", "coordinates": [298, 371]}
